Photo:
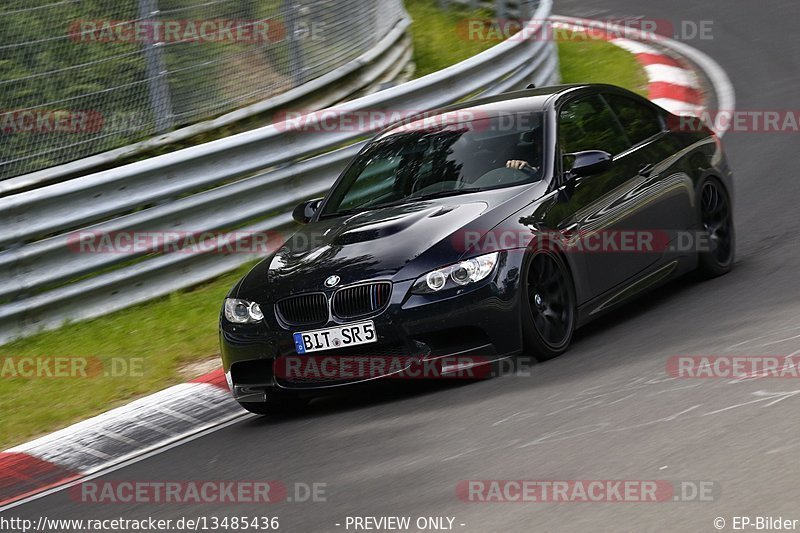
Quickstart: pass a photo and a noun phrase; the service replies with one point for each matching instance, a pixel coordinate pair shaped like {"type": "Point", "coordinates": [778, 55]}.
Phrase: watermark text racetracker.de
{"type": "Point", "coordinates": [733, 366]}
{"type": "Point", "coordinates": [645, 29]}
{"type": "Point", "coordinates": [219, 31]}
{"type": "Point", "coordinates": [373, 120]}
{"type": "Point", "coordinates": [200, 492]}
{"type": "Point", "coordinates": [365, 367]}
{"type": "Point", "coordinates": [644, 241]}
{"type": "Point", "coordinates": [49, 121]}
{"type": "Point", "coordinates": [69, 367]}
{"type": "Point", "coordinates": [198, 242]}
{"type": "Point", "coordinates": [736, 120]}
{"type": "Point", "coordinates": [585, 491]}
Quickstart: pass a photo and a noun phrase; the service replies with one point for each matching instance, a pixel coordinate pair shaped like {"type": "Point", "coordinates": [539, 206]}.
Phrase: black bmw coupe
{"type": "Point", "coordinates": [480, 232]}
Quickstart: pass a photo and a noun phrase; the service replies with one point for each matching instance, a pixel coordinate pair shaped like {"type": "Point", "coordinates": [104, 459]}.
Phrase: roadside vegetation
{"type": "Point", "coordinates": [585, 60]}
{"type": "Point", "coordinates": [173, 339]}
{"type": "Point", "coordinates": [439, 40]}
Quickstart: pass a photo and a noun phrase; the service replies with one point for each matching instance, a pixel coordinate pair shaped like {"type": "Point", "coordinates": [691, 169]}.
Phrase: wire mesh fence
{"type": "Point", "coordinates": [80, 77]}
{"type": "Point", "coordinates": [501, 8]}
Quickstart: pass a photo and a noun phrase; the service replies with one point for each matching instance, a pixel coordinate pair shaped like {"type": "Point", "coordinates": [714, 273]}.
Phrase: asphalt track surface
{"type": "Point", "coordinates": [605, 410]}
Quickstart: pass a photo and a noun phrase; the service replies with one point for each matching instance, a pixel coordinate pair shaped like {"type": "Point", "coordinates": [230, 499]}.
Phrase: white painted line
{"type": "Point", "coordinates": [673, 75]}
{"type": "Point", "coordinates": [171, 413]}
{"type": "Point", "coordinates": [634, 47]}
{"type": "Point", "coordinates": [679, 107]}
{"type": "Point", "coordinates": [115, 436]}
{"type": "Point", "coordinates": [559, 25]}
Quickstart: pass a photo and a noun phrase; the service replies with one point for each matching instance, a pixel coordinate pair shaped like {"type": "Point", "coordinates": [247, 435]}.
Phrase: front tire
{"type": "Point", "coordinates": [549, 309]}
{"type": "Point", "coordinates": [716, 216]}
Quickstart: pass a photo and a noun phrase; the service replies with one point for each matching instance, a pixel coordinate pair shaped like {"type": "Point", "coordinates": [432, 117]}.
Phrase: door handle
{"type": "Point", "coordinates": [646, 170]}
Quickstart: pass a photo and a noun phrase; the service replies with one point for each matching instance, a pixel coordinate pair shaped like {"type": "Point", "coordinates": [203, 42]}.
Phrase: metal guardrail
{"type": "Point", "coordinates": [86, 77]}
{"type": "Point", "coordinates": [249, 181]}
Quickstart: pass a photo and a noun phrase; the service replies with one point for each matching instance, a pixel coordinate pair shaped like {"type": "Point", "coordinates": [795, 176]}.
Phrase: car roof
{"type": "Point", "coordinates": [523, 101]}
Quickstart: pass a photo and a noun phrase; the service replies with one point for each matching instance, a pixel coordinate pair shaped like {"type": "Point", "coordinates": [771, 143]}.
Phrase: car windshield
{"type": "Point", "coordinates": [420, 163]}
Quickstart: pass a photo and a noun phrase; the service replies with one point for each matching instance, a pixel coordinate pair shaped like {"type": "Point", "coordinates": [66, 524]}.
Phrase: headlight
{"type": "Point", "coordinates": [457, 275]}
{"type": "Point", "coordinates": [242, 312]}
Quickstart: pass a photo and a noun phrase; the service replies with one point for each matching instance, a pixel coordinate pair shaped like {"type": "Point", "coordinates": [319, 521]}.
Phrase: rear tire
{"type": "Point", "coordinates": [549, 309]}
{"type": "Point", "coordinates": [716, 216]}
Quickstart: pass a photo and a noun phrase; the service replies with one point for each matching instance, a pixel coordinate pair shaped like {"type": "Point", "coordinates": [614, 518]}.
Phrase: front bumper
{"type": "Point", "coordinates": [479, 321]}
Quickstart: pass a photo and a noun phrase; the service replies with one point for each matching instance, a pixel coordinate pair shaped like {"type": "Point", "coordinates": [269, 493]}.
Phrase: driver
{"type": "Point", "coordinates": [518, 164]}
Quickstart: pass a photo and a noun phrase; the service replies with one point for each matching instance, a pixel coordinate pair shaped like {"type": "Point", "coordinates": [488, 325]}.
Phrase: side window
{"type": "Point", "coordinates": [640, 121]}
{"type": "Point", "coordinates": [587, 123]}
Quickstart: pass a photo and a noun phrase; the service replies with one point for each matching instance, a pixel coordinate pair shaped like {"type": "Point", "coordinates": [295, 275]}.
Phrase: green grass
{"type": "Point", "coordinates": [596, 61]}
{"type": "Point", "coordinates": [159, 337]}
{"type": "Point", "coordinates": [167, 334]}
{"type": "Point", "coordinates": [438, 42]}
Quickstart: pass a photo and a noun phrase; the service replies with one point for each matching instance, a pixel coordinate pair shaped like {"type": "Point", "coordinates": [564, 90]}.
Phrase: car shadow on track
{"type": "Point", "coordinates": [363, 396]}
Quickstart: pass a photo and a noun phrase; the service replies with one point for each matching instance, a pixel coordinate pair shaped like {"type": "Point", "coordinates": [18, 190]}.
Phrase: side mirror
{"type": "Point", "coordinates": [590, 162]}
{"type": "Point", "coordinates": [304, 212]}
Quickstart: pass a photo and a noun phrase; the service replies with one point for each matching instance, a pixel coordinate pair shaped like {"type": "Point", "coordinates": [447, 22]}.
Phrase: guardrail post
{"type": "Point", "coordinates": [160, 99]}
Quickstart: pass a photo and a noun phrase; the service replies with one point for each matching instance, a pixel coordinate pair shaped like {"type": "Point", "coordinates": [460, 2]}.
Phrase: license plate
{"type": "Point", "coordinates": [333, 338]}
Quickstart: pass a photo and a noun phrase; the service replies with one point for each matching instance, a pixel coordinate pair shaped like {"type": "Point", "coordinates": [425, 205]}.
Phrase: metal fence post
{"type": "Point", "coordinates": [501, 9]}
{"type": "Point", "coordinates": [296, 60]}
{"type": "Point", "coordinates": [160, 99]}
{"type": "Point", "coordinates": [526, 9]}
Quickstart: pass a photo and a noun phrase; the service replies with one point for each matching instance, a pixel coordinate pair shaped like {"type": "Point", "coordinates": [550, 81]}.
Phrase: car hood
{"type": "Point", "coordinates": [396, 243]}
